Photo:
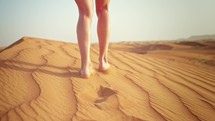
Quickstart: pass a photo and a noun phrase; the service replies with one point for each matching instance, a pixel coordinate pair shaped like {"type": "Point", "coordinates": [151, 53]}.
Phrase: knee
{"type": "Point", "coordinates": [86, 12]}
{"type": "Point", "coordinates": [101, 10]}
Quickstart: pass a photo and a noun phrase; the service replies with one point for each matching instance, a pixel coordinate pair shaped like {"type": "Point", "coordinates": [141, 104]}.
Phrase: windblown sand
{"type": "Point", "coordinates": [39, 81]}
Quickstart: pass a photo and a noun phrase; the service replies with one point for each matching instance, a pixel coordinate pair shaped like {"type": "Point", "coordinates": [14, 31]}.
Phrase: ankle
{"type": "Point", "coordinates": [86, 66]}
{"type": "Point", "coordinates": [103, 60]}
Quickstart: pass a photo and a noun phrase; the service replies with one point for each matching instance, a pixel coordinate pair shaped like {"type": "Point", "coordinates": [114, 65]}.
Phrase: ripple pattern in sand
{"type": "Point", "coordinates": [39, 81]}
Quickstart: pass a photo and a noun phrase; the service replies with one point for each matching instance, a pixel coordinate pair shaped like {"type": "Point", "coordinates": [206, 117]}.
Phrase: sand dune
{"type": "Point", "coordinates": [39, 81]}
{"type": "Point", "coordinates": [1, 48]}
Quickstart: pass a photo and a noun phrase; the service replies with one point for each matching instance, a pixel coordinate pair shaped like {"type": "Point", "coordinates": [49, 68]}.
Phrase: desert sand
{"type": "Point", "coordinates": [163, 81]}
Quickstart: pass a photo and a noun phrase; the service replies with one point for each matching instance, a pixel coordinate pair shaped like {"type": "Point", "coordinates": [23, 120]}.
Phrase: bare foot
{"type": "Point", "coordinates": [86, 72]}
{"type": "Point", "coordinates": [103, 65]}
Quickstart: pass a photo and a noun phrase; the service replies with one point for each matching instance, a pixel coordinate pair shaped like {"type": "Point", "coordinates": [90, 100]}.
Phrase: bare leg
{"type": "Point", "coordinates": [103, 31]}
{"type": "Point", "coordinates": [85, 8]}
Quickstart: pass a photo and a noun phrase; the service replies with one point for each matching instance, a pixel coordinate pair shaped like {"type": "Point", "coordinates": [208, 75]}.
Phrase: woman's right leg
{"type": "Point", "coordinates": [85, 8]}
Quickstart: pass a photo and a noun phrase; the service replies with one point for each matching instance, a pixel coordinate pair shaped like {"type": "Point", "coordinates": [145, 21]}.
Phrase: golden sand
{"type": "Point", "coordinates": [39, 81]}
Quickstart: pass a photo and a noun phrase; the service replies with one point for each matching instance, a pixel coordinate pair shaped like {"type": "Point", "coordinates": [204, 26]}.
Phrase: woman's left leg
{"type": "Point", "coordinates": [103, 31]}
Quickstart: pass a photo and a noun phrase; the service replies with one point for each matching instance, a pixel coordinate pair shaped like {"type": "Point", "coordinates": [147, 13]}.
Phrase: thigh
{"type": "Point", "coordinates": [84, 5]}
{"type": "Point", "coordinates": [100, 4]}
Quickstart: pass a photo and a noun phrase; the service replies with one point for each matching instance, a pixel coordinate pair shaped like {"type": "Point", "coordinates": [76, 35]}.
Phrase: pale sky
{"type": "Point", "coordinates": [131, 20]}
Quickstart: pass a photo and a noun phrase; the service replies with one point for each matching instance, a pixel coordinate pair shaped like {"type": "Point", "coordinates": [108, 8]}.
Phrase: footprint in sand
{"type": "Point", "coordinates": [104, 93]}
